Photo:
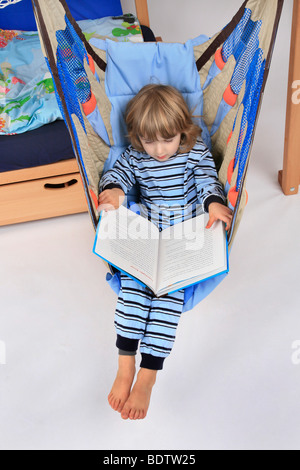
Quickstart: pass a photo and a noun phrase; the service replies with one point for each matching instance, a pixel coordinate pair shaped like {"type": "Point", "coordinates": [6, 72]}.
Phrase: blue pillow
{"type": "Point", "coordinates": [20, 15]}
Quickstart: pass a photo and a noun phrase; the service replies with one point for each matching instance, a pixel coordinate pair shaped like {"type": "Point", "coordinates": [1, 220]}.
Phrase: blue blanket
{"type": "Point", "coordinates": [27, 97]}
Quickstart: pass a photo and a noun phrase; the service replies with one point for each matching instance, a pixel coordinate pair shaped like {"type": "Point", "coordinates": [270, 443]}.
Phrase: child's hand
{"type": "Point", "coordinates": [111, 199]}
{"type": "Point", "coordinates": [218, 211]}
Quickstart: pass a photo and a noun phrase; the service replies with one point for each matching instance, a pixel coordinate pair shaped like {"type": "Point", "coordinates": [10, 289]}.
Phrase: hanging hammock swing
{"type": "Point", "coordinates": [221, 78]}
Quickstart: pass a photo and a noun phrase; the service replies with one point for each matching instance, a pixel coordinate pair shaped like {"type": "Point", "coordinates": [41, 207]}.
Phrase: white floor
{"type": "Point", "coordinates": [231, 381]}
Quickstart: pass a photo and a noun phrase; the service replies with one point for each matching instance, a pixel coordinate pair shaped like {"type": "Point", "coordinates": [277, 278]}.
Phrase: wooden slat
{"type": "Point", "coordinates": [142, 12]}
{"type": "Point", "coordinates": [289, 177]}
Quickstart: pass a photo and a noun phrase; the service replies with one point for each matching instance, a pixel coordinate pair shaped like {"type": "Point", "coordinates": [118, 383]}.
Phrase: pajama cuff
{"type": "Point", "coordinates": [112, 186]}
{"type": "Point", "coordinates": [213, 198]}
{"type": "Point", "coordinates": [152, 362]}
{"type": "Point", "coordinates": [127, 344]}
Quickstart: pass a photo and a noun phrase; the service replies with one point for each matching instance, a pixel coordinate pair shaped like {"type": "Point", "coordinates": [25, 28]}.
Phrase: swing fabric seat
{"type": "Point", "coordinates": [222, 79]}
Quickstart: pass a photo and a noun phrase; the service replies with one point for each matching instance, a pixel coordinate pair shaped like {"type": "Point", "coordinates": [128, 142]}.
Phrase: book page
{"type": "Point", "coordinates": [130, 243]}
{"type": "Point", "coordinates": [189, 250]}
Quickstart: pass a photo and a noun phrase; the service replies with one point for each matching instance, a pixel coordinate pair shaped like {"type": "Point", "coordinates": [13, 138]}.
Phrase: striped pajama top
{"type": "Point", "coordinates": [170, 191]}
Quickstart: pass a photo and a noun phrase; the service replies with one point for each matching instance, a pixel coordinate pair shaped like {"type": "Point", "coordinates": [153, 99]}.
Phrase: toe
{"type": "Point", "coordinates": [110, 400]}
{"type": "Point", "coordinates": [125, 413]}
{"type": "Point", "coordinates": [116, 404]}
{"type": "Point", "coordinates": [120, 406]}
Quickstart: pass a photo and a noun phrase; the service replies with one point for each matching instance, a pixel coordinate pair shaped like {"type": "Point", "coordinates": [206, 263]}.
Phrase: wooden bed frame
{"type": "Point", "coordinates": [47, 190]}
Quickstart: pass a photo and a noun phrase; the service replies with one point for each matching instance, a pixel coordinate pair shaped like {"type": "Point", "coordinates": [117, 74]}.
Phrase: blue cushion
{"type": "Point", "coordinates": [20, 15]}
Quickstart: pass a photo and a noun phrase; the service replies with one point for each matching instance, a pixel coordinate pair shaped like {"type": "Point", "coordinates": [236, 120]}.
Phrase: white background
{"type": "Point", "coordinates": [230, 382]}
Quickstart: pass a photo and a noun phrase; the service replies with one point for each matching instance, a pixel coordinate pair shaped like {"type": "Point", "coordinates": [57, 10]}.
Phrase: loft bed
{"type": "Point", "coordinates": [48, 189]}
{"type": "Point", "coordinates": [39, 175]}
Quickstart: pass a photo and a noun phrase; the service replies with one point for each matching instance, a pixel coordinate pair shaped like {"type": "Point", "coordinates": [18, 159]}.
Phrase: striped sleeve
{"type": "Point", "coordinates": [209, 188]}
{"type": "Point", "coordinates": [121, 175]}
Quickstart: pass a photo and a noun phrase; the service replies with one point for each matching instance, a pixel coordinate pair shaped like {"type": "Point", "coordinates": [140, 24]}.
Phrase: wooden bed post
{"type": "Point", "coordinates": [289, 177]}
{"type": "Point", "coordinates": [142, 12]}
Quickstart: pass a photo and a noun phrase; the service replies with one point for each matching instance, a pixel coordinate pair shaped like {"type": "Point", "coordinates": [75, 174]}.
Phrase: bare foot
{"type": "Point", "coordinates": [137, 405]}
{"type": "Point", "coordinates": [122, 385]}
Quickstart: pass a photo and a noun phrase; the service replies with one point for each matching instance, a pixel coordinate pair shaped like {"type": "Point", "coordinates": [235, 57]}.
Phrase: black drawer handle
{"type": "Point", "coordinates": [60, 185]}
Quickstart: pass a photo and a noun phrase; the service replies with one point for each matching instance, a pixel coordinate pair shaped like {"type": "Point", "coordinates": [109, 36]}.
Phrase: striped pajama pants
{"type": "Point", "coordinates": [152, 321]}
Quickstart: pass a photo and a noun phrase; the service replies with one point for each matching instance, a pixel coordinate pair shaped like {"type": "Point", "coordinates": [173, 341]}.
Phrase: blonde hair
{"type": "Point", "coordinates": [160, 110]}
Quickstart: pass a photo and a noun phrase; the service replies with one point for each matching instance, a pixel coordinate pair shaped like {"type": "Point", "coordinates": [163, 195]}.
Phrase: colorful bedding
{"type": "Point", "coordinates": [27, 97]}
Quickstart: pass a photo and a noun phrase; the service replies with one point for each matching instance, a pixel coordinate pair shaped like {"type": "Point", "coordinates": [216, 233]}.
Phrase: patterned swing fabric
{"type": "Point", "coordinates": [224, 75]}
{"type": "Point", "coordinates": [5, 3]}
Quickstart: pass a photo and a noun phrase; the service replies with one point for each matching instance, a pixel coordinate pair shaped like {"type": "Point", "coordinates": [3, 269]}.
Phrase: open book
{"type": "Point", "coordinates": [167, 260]}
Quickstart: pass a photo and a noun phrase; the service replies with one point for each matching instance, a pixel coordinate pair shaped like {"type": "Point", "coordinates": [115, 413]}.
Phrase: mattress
{"type": "Point", "coordinates": [47, 144]}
